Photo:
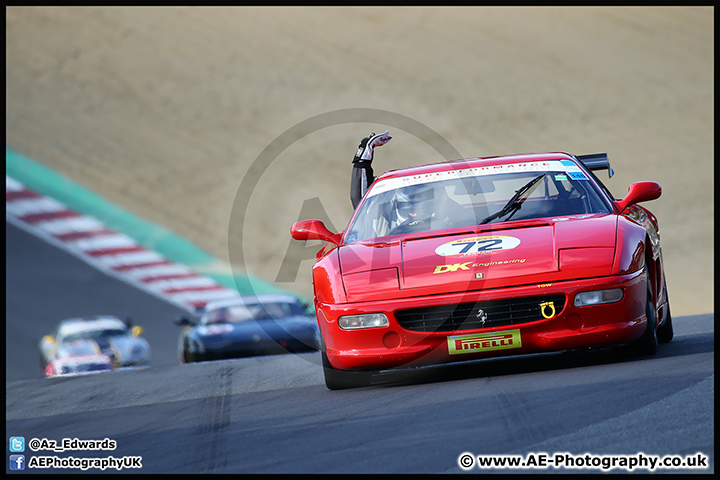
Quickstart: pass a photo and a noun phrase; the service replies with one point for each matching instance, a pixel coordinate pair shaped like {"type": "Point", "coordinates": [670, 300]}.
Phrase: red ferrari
{"type": "Point", "coordinates": [486, 257]}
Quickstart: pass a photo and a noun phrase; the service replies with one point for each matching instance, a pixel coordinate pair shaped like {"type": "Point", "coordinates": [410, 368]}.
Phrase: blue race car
{"type": "Point", "coordinates": [248, 325]}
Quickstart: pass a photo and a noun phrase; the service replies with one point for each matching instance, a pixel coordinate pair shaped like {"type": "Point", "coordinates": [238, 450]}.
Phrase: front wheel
{"type": "Point", "coordinates": [665, 330]}
{"type": "Point", "coordinates": [187, 355]}
{"type": "Point", "coordinates": [648, 343]}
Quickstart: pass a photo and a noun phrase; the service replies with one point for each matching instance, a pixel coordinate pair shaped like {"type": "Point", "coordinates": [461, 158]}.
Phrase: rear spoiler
{"type": "Point", "coordinates": [597, 161]}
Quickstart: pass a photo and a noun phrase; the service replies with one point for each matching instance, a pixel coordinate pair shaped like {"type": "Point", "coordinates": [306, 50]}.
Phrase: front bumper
{"type": "Point", "coordinates": [251, 348]}
{"type": "Point", "coordinates": [570, 328]}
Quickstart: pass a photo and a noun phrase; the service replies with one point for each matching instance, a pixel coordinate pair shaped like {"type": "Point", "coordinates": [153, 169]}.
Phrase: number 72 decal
{"type": "Point", "coordinates": [477, 245]}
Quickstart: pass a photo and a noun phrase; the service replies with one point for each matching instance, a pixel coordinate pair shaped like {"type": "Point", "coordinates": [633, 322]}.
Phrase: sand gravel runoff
{"type": "Point", "coordinates": [164, 111]}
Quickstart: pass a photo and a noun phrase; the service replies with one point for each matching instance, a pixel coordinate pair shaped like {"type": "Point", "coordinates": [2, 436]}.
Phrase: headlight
{"type": "Point", "coordinates": [598, 297]}
{"type": "Point", "coordinates": [367, 320]}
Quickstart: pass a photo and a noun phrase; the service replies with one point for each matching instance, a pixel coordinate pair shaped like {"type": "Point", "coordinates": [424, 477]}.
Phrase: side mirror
{"type": "Point", "coordinates": [184, 321]}
{"type": "Point", "coordinates": [137, 330]}
{"type": "Point", "coordinates": [49, 339]}
{"type": "Point", "coordinates": [639, 192]}
{"type": "Point", "coordinates": [314, 230]}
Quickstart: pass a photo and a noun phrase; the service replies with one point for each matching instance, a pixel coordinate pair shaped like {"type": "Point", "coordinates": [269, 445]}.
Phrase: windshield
{"type": "Point", "coordinates": [94, 334]}
{"type": "Point", "coordinates": [473, 196]}
{"type": "Point", "coordinates": [251, 311]}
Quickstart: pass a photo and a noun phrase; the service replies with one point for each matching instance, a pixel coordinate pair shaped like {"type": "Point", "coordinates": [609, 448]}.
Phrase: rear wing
{"type": "Point", "coordinates": [597, 161]}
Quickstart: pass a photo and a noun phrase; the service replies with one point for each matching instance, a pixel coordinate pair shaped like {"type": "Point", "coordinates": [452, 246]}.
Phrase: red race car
{"type": "Point", "coordinates": [486, 257]}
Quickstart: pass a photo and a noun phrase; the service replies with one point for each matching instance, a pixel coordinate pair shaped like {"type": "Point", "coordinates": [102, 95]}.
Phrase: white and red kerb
{"type": "Point", "coordinates": [112, 252]}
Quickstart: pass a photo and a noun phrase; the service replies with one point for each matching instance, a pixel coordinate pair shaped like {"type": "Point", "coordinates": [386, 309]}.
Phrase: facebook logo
{"type": "Point", "coordinates": [17, 444]}
{"type": "Point", "coordinates": [17, 462]}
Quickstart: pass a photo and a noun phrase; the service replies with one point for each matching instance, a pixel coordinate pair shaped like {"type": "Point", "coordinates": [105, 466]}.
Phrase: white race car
{"type": "Point", "coordinates": [106, 335]}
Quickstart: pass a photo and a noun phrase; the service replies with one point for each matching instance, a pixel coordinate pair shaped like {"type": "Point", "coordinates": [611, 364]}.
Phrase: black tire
{"type": "Point", "coordinates": [342, 379]}
{"type": "Point", "coordinates": [665, 330]}
{"type": "Point", "coordinates": [184, 354]}
{"type": "Point", "coordinates": [189, 355]}
{"type": "Point", "coordinates": [648, 343]}
{"type": "Point", "coordinates": [187, 358]}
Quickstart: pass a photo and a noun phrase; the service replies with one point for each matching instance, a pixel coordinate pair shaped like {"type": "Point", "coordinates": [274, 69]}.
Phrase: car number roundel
{"type": "Point", "coordinates": [477, 245]}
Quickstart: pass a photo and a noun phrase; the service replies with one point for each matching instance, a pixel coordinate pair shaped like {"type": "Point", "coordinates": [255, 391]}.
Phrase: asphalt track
{"type": "Point", "coordinates": [274, 414]}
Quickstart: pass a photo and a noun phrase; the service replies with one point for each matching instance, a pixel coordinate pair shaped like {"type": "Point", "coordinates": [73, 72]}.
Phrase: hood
{"type": "Point", "coordinates": [569, 247]}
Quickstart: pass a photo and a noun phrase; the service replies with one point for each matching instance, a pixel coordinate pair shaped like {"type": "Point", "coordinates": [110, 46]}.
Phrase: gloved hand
{"type": "Point", "coordinates": [367, 144]}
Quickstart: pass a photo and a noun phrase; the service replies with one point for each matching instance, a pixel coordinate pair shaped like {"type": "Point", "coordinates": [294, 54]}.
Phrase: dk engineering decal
{"type": "Point", "coordinates": [484, 342]}
{"type": "Point", "coordinates": [468, 265]}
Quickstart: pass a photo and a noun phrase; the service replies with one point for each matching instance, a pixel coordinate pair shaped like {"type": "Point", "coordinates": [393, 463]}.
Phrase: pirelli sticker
{"type": "Point", "coordinates": [484, 342]}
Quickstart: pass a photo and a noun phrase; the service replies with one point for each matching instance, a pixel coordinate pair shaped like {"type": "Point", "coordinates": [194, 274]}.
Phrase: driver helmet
{"type": "Point", "coordinates": [220, 315]}
{"type": "Point", "coordinates": [414, 203]}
